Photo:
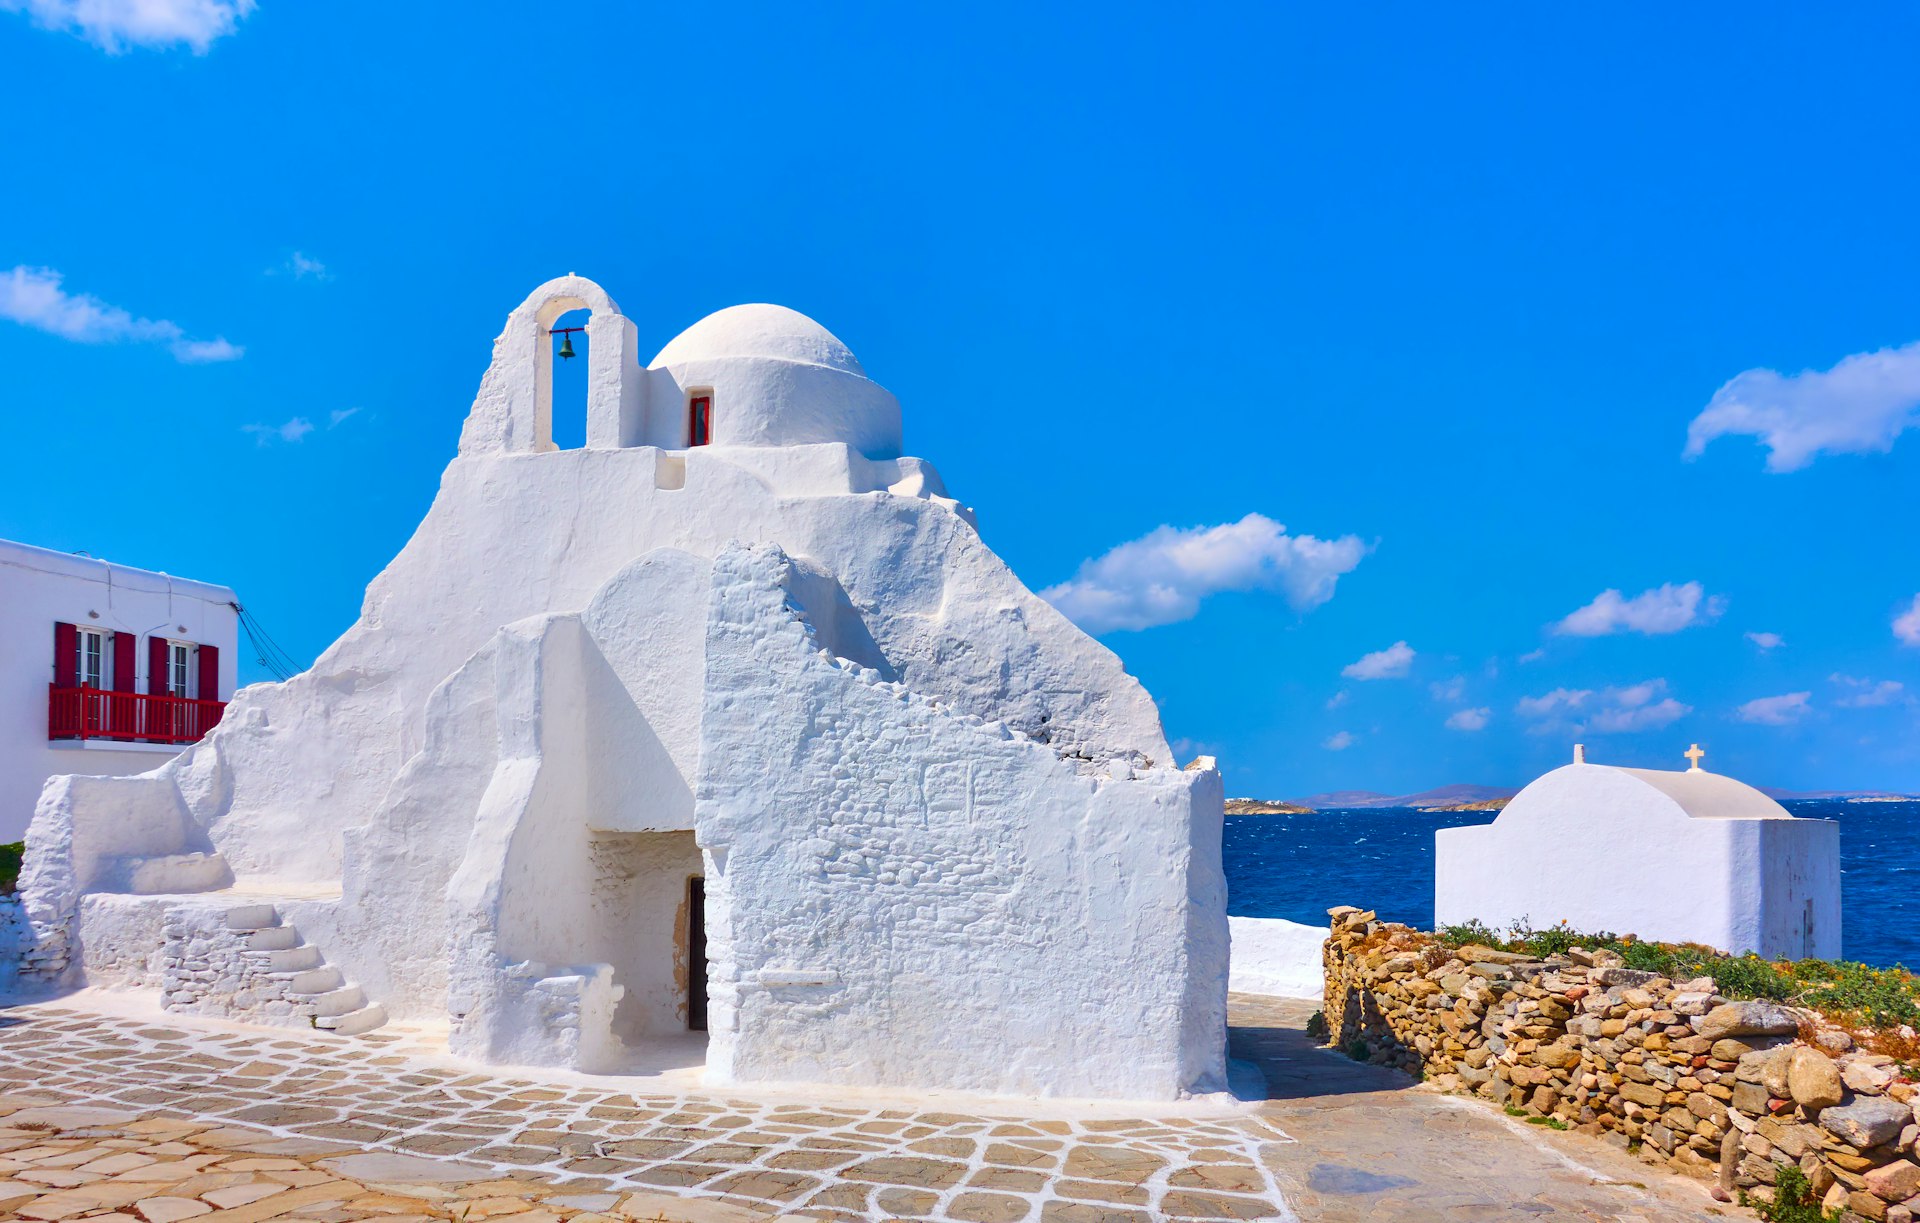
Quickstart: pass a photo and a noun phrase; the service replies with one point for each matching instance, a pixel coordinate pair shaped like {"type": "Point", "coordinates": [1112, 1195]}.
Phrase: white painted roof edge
{"type": "Point", "coordinates": [1707, 796]}
{"type": "Point", "coordinates": [93, 569]}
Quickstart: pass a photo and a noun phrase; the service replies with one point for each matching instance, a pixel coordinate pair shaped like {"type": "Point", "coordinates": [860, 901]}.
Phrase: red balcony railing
{"type": "Point", "coordinates": [132, 717]}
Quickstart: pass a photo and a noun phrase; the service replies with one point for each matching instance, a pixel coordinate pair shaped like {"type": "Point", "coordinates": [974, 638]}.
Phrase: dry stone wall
{"type": "Point", "coordinates": [1672, 1070]}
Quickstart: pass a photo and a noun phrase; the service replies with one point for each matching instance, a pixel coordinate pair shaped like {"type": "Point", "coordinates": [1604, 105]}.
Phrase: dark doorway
{"type": "Point", "coordinates": [697, 954]}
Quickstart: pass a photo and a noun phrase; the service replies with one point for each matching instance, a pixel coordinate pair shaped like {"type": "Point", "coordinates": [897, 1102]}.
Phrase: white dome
{"type": "Point", "coordinates": [759, 330]}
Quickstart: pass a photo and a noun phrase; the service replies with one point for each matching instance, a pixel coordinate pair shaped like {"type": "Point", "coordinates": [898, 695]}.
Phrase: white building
{"type": "Point", "coordinates": [723, 741]}
{"type": "Point", "coordinates": [107, 669]}
{"type": "Point", "coordinates": [1681, 857]}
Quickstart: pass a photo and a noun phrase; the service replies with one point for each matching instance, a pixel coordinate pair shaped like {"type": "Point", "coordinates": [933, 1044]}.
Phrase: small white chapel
{"type": "Point", "coordinates": [721, 745]}
{"type": "Point", "coordinates": [1668, 856]}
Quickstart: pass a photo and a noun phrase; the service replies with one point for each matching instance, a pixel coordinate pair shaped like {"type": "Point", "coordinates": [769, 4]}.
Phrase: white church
{"type": "Point", "coordinates": [722, 742]}
{"type": "Point", "coordinates": [1677, 856]}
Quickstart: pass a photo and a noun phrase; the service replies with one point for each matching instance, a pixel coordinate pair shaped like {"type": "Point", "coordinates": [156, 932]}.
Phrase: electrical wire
{"type": "Point", "coordinates": [266, 650]}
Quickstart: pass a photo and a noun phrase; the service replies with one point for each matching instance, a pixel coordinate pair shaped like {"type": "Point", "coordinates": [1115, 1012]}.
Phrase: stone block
{"type": "Point", "coordinates": [1866, 1121]}
{"type": "Point", "coordinates": [1751, 1018]}
{"type": "Point", "coordinates": [1813, 1080]}
{"type": "Point", "coordinates": [1894, 1182]}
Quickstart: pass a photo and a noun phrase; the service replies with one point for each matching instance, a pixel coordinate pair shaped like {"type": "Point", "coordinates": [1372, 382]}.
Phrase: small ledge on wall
{"type": "Point", "coordinates": [670, 471]}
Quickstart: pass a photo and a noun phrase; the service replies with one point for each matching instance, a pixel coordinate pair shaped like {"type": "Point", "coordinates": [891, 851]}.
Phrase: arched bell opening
{"type": "Point", "coordinates": [568, 349]}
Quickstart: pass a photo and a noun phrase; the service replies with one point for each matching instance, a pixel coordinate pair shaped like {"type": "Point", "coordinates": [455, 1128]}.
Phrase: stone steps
{"type": "Point", "coordinates": [294, 959]}
{"type": "Point", "coordinates": [336, 1002]}
{"type": "Point", "coordinates": [318, 989]}
{"type": "Point", "coordinates": [321, 980]}
{"type": "Point", "coordinates": [273, 938]}
{"type": "Point", "coordinates": [353, 1023]}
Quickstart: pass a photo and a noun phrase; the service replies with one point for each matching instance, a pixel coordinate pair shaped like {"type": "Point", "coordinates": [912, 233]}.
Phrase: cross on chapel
{"type": "Point", "coordinates": [1695, 755]}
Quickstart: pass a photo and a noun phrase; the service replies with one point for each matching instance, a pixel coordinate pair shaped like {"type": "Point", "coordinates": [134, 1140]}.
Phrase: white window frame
{"type": "Point", "coordinates": [101, 674]}
{"type": "Point", "coordinates": [180, 669]}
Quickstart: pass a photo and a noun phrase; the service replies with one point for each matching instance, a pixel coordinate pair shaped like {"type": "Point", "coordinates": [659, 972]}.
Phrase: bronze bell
{"type": "Point", "coordinates": [566, 348]}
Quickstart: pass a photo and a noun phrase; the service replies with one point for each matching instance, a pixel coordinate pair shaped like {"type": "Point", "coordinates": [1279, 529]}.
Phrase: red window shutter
{"type": "Point", "coordinates": [123, 662]}
{"type": "Point", "coordinates": [156, 665]}
{"type": "Point", "coordinates": [209, 672]}
{"type": "Point", "coordinates": [66, 646]}
{"type": "Point", "coordinates": [700, 420]}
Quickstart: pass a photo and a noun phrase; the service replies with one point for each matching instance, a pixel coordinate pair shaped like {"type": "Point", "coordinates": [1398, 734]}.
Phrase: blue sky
{"type": "Point", "coordinates": [1435, 297]}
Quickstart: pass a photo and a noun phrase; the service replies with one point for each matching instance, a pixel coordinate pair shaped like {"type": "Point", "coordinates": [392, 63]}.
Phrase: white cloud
{"type": "Point", "coordinates": [1766, 641]}
{"type": "Point", "coordinates": [1664, 609]}
{"type": "Point", "coordinates": [1533, 655]}
{"type": "Point", "coordinates": [1390, 663]}
{"type": "Point", "coordinates": [1339, 741]}
{"type": "Point", "coordinates": [1782, 710]}
{"type": "Point", "coordinates": [1906, 625]}
{"type": "Point", "coordinates": [340, 415]}
{"type": "Point", "coordinates": [1449, 691]}
{"type": "Point", "coordinates": [301, 266]}
{"type": "Point", "coordinates": [116, 25]}
{"type": "Point", "coordinates": [205, 352]}
{"type": "Point", "coordinates": [1161, 577]}
{"type": "Point", "coordinates": [1560, 700]}
{"type": "Point", "coordinates": [1867, 693]}
{"type": "Point", "coordinates": [1469, 719]}
{"type": "Point", "coordinates": [1858, 407]}
{"type": "Point", "coordinates": [291, 431]}
{"type": "Point", "coordinates": [33, 298]}
{"type": "Point", "coordinates": [1617, 710]}
{"type": "Point", "coordinates": [1337, 699]}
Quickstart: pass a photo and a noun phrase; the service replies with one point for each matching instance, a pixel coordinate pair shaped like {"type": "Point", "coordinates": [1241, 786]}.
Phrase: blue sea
{"type": "Point", "coordinates": [1299, 866]}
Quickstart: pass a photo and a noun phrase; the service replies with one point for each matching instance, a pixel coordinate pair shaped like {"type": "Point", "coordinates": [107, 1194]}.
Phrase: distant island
{"type": "Point", "coordinates": [1465, 796]}
{"type": "Point", "coordinates": [1446, 798]}
{"type": "Point", "coordinates": [1261, 806]}
{"type": "Point", "coordinates": [1458, 797]}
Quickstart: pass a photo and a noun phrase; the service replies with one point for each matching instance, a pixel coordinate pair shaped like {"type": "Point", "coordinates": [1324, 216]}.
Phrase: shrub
{"type": "Point", "coordinates": [1793, 1200]}
{"type": "Point", "coordinates": [1357, 1050]}
{"type": "Point", "coordinates": [10, 856]}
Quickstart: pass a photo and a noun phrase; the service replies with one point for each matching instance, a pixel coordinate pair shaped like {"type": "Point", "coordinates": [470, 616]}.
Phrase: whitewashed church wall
{"type": "Point", "coordinates": [764, 402]}
{"type": "Point", "coordinates": [313, 757]}
{"type": "Point", "coordinates": [390, 932]}
{"type": "Point", "coordinates": [937, 841]}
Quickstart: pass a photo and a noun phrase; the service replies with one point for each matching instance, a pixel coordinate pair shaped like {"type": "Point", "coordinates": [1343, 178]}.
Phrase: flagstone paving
{"type": "Point", "coordinates": [106, 1117]}
{"type": "Point", "coordinates": [1374, 1148]}
{"type": "Point", "coordinates": [324, 1097]}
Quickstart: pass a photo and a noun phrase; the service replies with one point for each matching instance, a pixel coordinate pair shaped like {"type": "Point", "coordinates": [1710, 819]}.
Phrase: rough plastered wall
{"type": "Point", "coordinates": [521, 535]}
{"type": "Point", "coordinates": [1770, 885]}
{"type": "Point", "coordinates": [903, 894]}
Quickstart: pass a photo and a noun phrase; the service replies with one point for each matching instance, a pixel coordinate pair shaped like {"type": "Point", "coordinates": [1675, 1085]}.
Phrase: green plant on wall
{"type": "Point", "coordinates": [1793, 1200]}
{"type": "Point", "coordinates": [10, 856]}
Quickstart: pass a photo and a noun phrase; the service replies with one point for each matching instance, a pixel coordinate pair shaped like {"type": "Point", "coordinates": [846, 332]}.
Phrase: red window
{"type": "Point", "coordinates": [700, 420]}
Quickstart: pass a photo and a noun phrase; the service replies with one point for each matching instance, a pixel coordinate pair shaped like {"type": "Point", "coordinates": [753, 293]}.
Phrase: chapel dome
{"type": "Point", "coordinates": [759, 330]}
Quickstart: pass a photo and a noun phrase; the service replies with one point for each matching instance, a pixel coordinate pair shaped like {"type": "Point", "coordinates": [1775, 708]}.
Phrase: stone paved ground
{"type": "Point", "coordinates": [1372, 1147]}
{"type": "Point", "coordinates": [841, 1160]}
{"type": "Point", "coordinates": [211, 1121]}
